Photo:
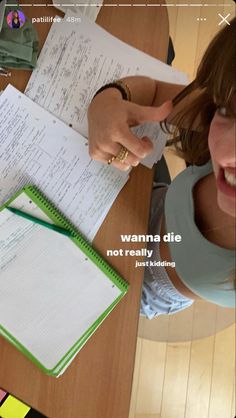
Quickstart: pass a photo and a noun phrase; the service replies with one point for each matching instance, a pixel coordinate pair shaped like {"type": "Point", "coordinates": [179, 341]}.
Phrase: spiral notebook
{"type": "Point", "coordinates": [54, 290]}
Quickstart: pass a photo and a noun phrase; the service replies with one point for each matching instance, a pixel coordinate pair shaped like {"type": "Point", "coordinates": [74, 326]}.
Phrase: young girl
{"type": "Point", "coordinates": [200, 203]}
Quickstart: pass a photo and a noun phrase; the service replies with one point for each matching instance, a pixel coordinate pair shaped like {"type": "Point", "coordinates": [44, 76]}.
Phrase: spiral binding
{"type": "Point", "coordinates": [63, 221]}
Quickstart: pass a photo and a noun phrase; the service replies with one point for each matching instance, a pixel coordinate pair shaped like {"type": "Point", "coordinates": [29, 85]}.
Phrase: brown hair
{"type": "Point", "coordinates": [216, 84]}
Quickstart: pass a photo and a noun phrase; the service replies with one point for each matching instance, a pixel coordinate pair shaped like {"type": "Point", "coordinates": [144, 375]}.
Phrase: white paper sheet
{"type": "Point", "coordinates": [37, 148]}
{"type": "Point", "coordinates": [77, 59]}
{"type": "Point", "coordinates": [50, 292]}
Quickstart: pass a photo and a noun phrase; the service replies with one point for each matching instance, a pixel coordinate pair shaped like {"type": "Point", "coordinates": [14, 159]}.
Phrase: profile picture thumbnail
{"type": "Point", "coordinates": [15, 19]}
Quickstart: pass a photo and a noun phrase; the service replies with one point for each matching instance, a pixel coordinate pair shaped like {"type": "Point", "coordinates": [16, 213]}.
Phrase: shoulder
{"type": "Point", "coordinates": [214, 224]}
{"type": "Point", "coordinates": [192, 197]}
{"type": "Point", "coordinates": [180, 191]}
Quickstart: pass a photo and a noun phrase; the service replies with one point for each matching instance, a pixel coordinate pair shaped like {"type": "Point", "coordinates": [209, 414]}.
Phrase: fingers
{"type": "Point", "coordinates": [121, 166]}
{"type": "Point", "coordinates": [113, 148]}
{"type": "Point", "coordinates": [112, 151]}
{"type": "Point", "coordinates": [107, 136]}
{"type": "Point", "coordinates": [140, 114]}
{"type": "Point", "coordinates": [138, 147]}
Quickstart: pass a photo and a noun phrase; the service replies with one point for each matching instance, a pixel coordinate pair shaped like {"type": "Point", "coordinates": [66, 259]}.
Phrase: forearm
{"type": "Point", "coordinates": [148, 92]}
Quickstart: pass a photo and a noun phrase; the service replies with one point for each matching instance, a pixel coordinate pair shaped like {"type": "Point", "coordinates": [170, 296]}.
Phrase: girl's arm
{"type": "Point", "coordinates": [148, 92]}
{"type": "Point", "coordinates": [110, 117]}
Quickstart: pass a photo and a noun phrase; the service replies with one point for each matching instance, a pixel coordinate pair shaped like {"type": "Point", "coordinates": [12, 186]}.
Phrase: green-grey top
{"type": "Point", "coordinates": [204, 267]}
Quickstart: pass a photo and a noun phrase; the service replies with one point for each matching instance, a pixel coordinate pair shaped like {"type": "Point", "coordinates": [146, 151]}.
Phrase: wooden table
{"type": "Point", "coordinates": [98, 382]}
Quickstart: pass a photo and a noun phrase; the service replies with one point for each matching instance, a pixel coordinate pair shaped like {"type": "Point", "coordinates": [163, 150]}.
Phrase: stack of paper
{"type": "Point", "coordinates": [37, 148]}
{"type": "Point", "coordinates": [77, 59]}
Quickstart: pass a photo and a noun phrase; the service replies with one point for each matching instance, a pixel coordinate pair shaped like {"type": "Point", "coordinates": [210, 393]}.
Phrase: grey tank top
{"type": "Point", "coordinates": [205, 268]}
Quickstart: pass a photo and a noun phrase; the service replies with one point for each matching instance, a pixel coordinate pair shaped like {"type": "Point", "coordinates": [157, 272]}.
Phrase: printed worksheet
{"type": "Point", "coordinates": [37, 148]}
{"type": "Point", "coordinates": [76, 60]}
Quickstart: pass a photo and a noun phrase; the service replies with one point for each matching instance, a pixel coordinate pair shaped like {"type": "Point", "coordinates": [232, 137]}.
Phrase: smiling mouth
{"type": "Point", "coordinates": [230, 178]}
{"type": "Point", "coordinates": [226, 181]}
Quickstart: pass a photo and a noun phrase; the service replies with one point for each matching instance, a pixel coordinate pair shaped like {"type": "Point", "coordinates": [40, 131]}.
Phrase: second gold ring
{"type": "Point", "coordinates": [122, 155]}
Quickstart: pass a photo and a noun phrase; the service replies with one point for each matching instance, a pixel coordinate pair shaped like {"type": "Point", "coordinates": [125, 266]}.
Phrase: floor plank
{"type": "Point", "coordinates": [136, 378]}
{"type": "Point", "coordinates": [148, 416]}
{"type": "Point", "coordinates": [151, 377]}
{"type": "Point", "coordinates": [233, 409]}
{"type": "Point", "coordinates": [223, 374]}
{"type": "Point", "coordinates": [200, 376]}
{"type": "Point", "coordinates": [176, 380]}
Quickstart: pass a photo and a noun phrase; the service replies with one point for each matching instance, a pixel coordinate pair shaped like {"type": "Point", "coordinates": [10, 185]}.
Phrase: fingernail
{"type": "Point", "coordinates": [167, 103]}
{"type": "Point", "coordinates": [126, 168]}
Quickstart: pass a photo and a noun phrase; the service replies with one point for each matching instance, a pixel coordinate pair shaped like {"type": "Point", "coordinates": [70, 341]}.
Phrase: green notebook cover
{"type": "Point", "coordinates": [117, 281]}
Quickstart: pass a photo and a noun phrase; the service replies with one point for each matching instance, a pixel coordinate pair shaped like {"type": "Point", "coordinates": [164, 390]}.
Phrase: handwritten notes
{"type": "Point", "coordinates": [37, 148]}
{"type": "Point", "coordinates": [76, 60]}
{"type": "Point", "coordinates": [74, 63]}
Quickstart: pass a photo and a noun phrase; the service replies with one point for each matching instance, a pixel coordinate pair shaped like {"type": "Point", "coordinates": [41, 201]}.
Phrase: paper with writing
{"type": "Point", "coordinates": [37, 148]}
{"type": "Point", "coordinates": [77, 59]}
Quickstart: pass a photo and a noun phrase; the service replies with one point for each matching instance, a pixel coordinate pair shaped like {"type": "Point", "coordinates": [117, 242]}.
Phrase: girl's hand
{"type": "Point", "coordinates": [109, 120]}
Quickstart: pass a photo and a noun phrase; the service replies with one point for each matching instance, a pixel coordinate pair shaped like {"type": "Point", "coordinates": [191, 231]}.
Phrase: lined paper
{"type": "Point", "coordinates": [77, 59]}
{"type": "Point", "coordinates": [39, 149]}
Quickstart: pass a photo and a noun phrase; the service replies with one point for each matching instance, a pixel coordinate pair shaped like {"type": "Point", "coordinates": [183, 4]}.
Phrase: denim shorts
{"type": "Point", "coordinates": [159, 296]}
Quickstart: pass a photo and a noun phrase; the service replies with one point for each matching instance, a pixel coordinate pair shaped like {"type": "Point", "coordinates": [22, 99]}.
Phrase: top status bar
{"type": "Point", "coordinates": [125, 4]}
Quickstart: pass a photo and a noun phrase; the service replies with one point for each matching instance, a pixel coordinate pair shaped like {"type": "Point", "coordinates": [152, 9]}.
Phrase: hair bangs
{"type": "Point", "coordinates": [214, 86]}
{"type": "Point", "coordinates": [217, 71]}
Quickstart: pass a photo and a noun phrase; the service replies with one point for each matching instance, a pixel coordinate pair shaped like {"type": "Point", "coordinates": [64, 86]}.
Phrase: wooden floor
{"type": "Point", "coordinates": [185, 364]}
{"type": "Point", "coordinates": [185, 380]}
{"type": "Point", "coordinates": [191, 36]}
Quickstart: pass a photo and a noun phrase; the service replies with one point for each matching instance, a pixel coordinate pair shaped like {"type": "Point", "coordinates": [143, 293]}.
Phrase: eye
{"type": "Point", "coordinates": [224, 112]}
{"type": "Point", "coordinates": [221, 111]}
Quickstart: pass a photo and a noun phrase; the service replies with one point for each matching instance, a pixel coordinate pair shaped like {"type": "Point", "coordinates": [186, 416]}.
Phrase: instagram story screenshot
{"type": "Point", "coordinates": [117, 208]}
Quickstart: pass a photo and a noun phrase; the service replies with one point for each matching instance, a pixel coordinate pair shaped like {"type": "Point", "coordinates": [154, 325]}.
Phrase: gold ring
{"type": "Point", "coordinates": [122, 155]}
{"type": "Point", "coordinates": [110, 161]}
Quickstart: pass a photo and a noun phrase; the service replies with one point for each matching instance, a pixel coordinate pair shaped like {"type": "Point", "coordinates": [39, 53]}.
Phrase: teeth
{"type": "Point", "coordinates": [230, 178]}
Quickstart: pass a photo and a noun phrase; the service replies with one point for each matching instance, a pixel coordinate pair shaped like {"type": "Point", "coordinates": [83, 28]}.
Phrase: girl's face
{"type": "Point", "coordinates": [221, 140]}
